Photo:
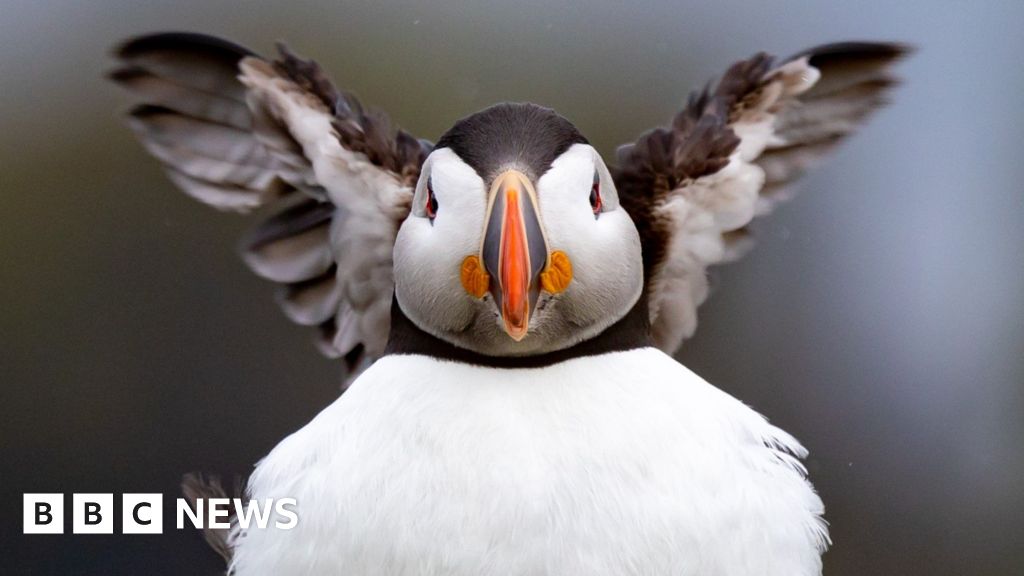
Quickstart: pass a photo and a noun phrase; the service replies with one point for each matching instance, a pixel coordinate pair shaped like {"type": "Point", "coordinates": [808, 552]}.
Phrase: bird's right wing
{"type": "Point", "coordinates": [239, 132]}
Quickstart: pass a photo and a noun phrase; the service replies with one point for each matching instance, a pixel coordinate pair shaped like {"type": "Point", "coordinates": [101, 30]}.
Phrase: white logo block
{"type": "Point", "coordinates": [142, 514]}
{"type": "Point", "coordinates": [43, 514]}
{"type": "Point", "coordinates": [92, 514]}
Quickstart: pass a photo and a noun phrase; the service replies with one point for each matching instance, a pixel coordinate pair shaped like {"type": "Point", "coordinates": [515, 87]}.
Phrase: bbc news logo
{"type": "Point", "coordinates": [143, 513]}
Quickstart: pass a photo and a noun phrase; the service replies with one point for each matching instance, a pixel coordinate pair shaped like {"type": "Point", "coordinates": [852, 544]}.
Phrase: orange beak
{"type": "Point", "coordinates": [514, 250]}
{"type": "Point", "coordinates": [515, 269]}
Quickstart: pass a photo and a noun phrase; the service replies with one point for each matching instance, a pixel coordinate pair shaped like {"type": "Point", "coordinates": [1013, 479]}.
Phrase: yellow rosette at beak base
{"type": "Point", "coordinates": [474, 277]}
{"type": "Point", "coordinates": [556, 277]}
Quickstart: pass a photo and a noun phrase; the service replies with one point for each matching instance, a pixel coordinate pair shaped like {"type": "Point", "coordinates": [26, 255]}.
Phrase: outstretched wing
{"type": "Point", "coordinates": [238, 133]}
{"type": "Point", "coordinates": [732, 154]}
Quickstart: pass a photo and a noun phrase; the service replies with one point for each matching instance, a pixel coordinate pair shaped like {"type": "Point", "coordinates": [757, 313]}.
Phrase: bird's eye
{"type": "Point", "coordinates": [595, 195]}
{"type": "Point", "coordinates": [430, 206]}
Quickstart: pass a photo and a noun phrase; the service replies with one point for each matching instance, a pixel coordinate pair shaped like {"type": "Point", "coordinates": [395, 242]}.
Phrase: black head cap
{"type": "Point", "coordinates": [526, 136]}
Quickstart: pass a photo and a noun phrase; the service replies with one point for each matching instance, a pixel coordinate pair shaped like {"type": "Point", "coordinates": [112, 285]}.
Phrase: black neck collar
{"type": "Point", "coordinates": [632, 331]}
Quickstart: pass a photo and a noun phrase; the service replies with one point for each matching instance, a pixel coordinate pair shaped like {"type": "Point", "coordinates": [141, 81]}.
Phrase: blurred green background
{"type": "Point", "coordinates": [880, 319]}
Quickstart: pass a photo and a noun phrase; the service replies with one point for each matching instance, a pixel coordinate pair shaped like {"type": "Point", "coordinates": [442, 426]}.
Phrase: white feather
{"type": "Point", "coordinates": [625, 463]}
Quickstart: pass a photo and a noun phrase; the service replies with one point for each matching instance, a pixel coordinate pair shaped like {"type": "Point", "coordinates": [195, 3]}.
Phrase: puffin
{"type": "Point", "coordinates": [506, 304]}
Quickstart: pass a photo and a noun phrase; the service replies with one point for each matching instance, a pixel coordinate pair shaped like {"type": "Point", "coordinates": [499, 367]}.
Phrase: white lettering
{"type": "Point", "coordinates": [216, 511]}
{"type": "Point", "coordinates": [282, 510]}
{"type": "Point", "coordinates": [251, 509]}
{"type": "Point", "coordinates": [196, 517]}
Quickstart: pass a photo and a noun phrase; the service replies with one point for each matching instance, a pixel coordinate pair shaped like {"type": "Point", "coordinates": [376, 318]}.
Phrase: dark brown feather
{"type": "Point", "coordinates": [697, 143]}
{"type": "Point", "coordinates": [201, 62]}
{"type": "Point", "coordinates": [196, 488]}
{"type": "Point", "coordinates": [171, 94]}
{"type": "Point", "coordinates": [855, 81]}
{"type": "Point", "coordinates": [843, 64]}
{"type": "Point", "coordinates": [370, 133]}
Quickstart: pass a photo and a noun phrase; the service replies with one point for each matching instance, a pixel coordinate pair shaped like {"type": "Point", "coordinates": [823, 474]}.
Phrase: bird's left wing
{"type": "Point", "coordinates": [731, 154]}
{"type": "Point", "coordinates": [239, 132]}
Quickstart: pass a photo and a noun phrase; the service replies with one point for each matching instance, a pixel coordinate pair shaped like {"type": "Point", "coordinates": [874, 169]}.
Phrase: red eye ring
{"type": "Point", "coordinates": [595, 196]}
{"type": "Point", "coordinates": [430, 206]}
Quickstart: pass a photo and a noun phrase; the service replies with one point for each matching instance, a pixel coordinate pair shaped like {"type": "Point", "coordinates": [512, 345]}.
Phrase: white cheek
{"type": "Point", "coordinates": [428, 256]}
{"type": "Point", "coordinates": [605, 251]}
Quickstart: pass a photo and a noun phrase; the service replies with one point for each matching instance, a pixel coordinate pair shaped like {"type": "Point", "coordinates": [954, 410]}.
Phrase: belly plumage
{"type": "Point", "coordinates": [624, 463]}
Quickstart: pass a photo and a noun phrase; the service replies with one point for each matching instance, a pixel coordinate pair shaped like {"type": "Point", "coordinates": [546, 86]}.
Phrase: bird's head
{"type": "Point", "coordinates": [516, 244]}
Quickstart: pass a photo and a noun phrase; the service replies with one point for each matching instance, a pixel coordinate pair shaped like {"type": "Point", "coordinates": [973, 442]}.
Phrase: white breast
{"type": "Point", "coordinates": [625, 463]}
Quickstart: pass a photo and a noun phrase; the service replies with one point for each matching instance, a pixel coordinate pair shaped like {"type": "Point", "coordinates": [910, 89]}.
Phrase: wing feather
{"type": "Point", "coordinates": [173, 95]}
{"type": "Point", "coordinates": [203, 63]}
{"type": "Point", "coordinates": [312, 302]}
{"type": "Point", "coordinates": [240, 133]}
{"type": "Point", "coordinates": [293, 245]}
{"type": "Point", "coordinates": [733, 153]}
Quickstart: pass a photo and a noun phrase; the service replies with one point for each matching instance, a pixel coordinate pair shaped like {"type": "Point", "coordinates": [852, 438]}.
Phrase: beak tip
{"type": "Point", "coordinates": [516, 335]}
